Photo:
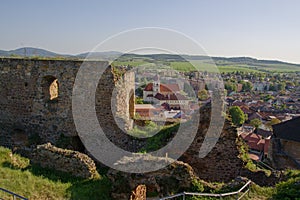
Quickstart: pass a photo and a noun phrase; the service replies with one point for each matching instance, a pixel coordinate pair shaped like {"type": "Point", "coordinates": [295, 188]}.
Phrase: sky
{"type": "Point", "coordinates": [268, 29]}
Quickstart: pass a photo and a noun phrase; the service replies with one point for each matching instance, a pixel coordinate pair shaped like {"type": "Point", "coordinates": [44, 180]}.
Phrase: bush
{"type": "Point", "coordinates": [289, 189]}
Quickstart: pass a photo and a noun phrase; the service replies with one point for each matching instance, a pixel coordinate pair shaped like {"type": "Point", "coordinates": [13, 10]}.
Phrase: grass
{"type": "Point", "coordinates": [160, 139]}
{"type": "Point", "coordinates": [33, 182]}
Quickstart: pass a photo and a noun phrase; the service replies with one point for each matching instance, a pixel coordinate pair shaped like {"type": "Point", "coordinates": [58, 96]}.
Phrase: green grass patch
{"type": "Point", "coordinates": [34, 182]}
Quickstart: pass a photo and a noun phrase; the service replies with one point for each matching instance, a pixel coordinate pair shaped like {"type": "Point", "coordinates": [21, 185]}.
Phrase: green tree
{"type": "Point", "coordinates": [203, 95]}
{"type": "Point", "coordinates": [230, 86]}
{"type": "Point", "coordinates": [139, 100]}
{"type": "Point", "coordinates": [247, 86]}
{"type": "Point", "coordinates": [281, 86]}
{"type": "Point", "coordinates": [237, 115]}
{"type": "Point", "coordinates": [255, 122]}
{"type": "Point", "coordinates": [273, 122]}
{"type": "Point", "coordinates": [267, 97]}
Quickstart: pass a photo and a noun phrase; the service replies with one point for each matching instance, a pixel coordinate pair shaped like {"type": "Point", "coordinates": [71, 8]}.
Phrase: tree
{"type": "Point", "coordinates": [267, 97]}
{"type": "Point", "coordinates": [255, 122]}
{"type": "Point", "coordinates": [203, 95]}
{"type": "Point", "coordinates": [139, 91]}
{"type": "Point", "coordinates": [281, 86]}
{"type": "Point", "coordinates": [237, 115]}
{"type": "Point", "coordinates": [273, 122]}
{"type": "Point", "coordinates": [230, 86]}
{"type": "Point", "coordinates": [247, 86]}
{"type": "Point", "coordinates": [139, 100]}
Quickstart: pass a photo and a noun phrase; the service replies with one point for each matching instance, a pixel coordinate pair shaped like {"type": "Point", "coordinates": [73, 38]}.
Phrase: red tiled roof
{"type": "Point", "coordinates": [254, 141]}
{"type": "Point", "coordinates": [164, 87]}
{"type": "Point", "coordinates": [169, 88]}
{"type": "Point", "coordinates": [149, 87]}
{"type": "Point", "coordinates": [160, 96]}
{"type": "Point", "coordinates": [238, 103]}
{"type": "Point", "coordinates": [246, 109]}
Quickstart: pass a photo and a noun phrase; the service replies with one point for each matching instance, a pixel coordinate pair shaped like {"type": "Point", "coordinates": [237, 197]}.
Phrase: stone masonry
{"type": "Point", "coordinates": [36, 99]}
{"type": "Point", "coordinates": [73, 162]}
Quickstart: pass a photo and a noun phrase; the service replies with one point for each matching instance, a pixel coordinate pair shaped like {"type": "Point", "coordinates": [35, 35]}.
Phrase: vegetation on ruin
{"type": "Point", "coordinates": [161, 138]}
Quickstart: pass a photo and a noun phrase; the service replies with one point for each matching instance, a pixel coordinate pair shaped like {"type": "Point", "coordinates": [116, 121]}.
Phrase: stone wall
{"type": "Point", "coordinates": [223, 162]}
{"type": "Point", "coordinates": [176, 177]}
{"type": "Point", "coordinates": [279, 157]}
{"type": "Point", "coordinates": [29, 113]}
{"type": "Point", "coordinates": [73, 162]}
{"type": "Point", "coordinates": [292, 148]}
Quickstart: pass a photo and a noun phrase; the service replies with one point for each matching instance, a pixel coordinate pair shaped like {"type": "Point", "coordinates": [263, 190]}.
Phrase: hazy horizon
{"type": "Point", "coordinates": [70, 54]}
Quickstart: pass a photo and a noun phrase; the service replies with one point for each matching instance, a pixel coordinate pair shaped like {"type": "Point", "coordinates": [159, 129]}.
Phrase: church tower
{"type": "Point", "coordinates": [156, 85]}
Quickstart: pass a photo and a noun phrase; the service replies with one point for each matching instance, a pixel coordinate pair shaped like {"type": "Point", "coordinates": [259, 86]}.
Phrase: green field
{"type": "Point", "coordinates": [210, 66]}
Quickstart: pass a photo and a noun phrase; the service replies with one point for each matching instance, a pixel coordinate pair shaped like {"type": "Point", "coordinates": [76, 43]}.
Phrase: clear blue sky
{"type": "Point", "coordinates": [267, 29]}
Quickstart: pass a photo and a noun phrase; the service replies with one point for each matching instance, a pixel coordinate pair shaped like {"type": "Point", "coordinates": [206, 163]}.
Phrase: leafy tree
{"type": "Point", "coordinates": [268, 97]}
{"type": "Point", "coordinates": [139, 100]}
{"type": "Point", "coordinates": [281, 86]}
{"type": "Point", "coordinates": [237, 115]}
{"type": "Point", "coordinates": [247, 86]}
{"type": "Point", "coordinates": [139, 91]}
{"type": "Point", "coordinates": [230, 86]}
{"type": "Point", "coordinates": [288, 189]}
{"type": "Point", "coordinates": [255, 122]}
{"type": "Point", "coordinates": [273, 122]}
{"type": "Point", "coordinates": [203, 95]}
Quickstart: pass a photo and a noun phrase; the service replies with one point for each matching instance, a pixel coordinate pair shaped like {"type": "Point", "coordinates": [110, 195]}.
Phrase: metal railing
{"type": "Point", "coordinates": [236, 193]}
{"type": "Point", "coordinates": [14, 195]}
{"type": "Point", "coordinates": [264, 165]}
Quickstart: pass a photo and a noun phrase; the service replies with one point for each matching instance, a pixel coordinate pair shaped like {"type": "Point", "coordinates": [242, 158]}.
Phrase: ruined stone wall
{"type": "Point", "coordinates": [28, 110]}
{"type": "Point", "coordinates": [73, 162]}
{"type": "Point", "coordinates": [292, 148]}
{"type": "Point", "coordinates": [175, 178]}
{"type": "Point", "coordinates": [223, 162]}
{"type": "Point", "coordinates": [279, 157]}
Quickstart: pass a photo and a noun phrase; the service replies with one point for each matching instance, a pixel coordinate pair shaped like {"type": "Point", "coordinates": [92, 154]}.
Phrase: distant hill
{"type": "Point", "coordinates": [30, 51]}
{"type": "Point", "coordinates": [233, 62]}
{"type": "Point", "coordinates": [100, 55]}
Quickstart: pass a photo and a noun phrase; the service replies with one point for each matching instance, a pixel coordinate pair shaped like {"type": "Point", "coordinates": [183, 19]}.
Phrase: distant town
{"type": "Point", "coordinates": [256, 102]}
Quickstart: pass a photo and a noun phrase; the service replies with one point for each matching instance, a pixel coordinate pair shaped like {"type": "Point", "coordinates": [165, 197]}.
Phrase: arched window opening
{"type": "Point", "coordinates": [50, 88]}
